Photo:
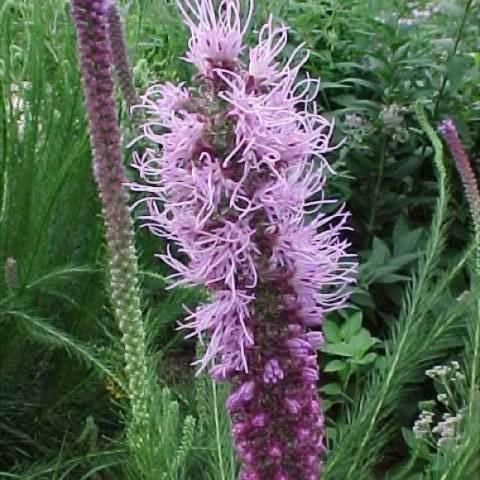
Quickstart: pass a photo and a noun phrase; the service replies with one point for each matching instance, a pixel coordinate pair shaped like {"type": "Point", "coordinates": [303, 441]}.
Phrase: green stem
{"type": "Point", "coordinates": [476, 358]}
{"type": "Point", "coordinates": [452, 54]}
{"type": "Point", "coordinates": [376, 192]}
{"type": "Point", "coordinates": [217, 431]}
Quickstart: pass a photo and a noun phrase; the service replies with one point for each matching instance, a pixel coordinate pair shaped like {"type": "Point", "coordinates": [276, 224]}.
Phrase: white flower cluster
{"type": "Point", "coordinates": [419, 14]}
{"type": "Point", "coordinates": [392, 115]}
{"type": "Point", "coordinates": [422, 426]}
{"type": "Point", "coordinates": [393, 119]}
{"type": "Point", "coordinates": [447, 373]}
{"type": "Point", "coordinates": [353, 121]}
{"type": "Point", "coordinates": [447, 431]}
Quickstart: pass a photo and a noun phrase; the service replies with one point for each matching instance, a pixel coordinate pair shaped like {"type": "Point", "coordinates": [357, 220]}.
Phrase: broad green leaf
{"type": "Point", "coordinates": [393, 278]}
{"type": "Point", "coordinates": [380, 252]}
{"type": "Point", "coordinates": [331, 431]}
{"type": "Point", "coordinates": [342, 349]}
{"type": "Point", "coordinates": [331, 331]}
{"type": "Point", "coordinates": [351, 326]}
{"type": "Point", "coordinates": [335, 366]}
{"type": "Point", "coordinates": [361, 343]}
{"type": "Point", "coordinates": [367, 359]}
{"type": "Point", "coordinates": [406, 243]}
{"type": "Point", "coordinates": [331, 389]}
{"type": "Point", "coordinates": [409, 438]}
{"type": "Point", "coordinates": [456, 69]}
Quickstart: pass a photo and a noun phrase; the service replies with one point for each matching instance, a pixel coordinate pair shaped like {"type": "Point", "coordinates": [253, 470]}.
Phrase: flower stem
{"type": "Point", "coordinates": [453, 53]}
{"type": "Point", "coordinates": [90, 18]}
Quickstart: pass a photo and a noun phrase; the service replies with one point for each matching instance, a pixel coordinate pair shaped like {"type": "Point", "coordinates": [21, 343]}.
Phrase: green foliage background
{"type": "Point", "coordinates": [61, 402]}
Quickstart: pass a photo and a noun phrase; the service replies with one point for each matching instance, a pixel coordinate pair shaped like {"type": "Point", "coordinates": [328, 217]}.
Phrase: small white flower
{"type": "Point", "coordinates": [442, 398]}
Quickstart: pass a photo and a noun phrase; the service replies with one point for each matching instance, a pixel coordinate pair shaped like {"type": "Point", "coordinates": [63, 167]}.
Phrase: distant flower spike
{"type": "Point", "coordinates": [450, 134]}
{"type": "Point", "coordinates": [120, 56]}
{"type": "Point", "coordinates": [95, 54]}
{"type": "Point", "coordinates": [232, 171]}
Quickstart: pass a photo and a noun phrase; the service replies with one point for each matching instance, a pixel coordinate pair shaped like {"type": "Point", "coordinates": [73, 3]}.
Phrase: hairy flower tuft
{"type": "Point", "coordinates": [216, 33]}
{"type": "Point", "coordinates": [233, 177]}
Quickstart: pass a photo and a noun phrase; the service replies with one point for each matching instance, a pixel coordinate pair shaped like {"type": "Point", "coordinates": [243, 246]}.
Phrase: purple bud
{"type": "Point", "coordinates": [242, 395]}
{"type": "Point", "coordinates": [273, 372]}
{"type": "Point", "coordinates": [315, 339]}
{"type": "Point", "coordinates": [245, 475]}
{"type": "Point", "coordinates": [303, 434]}
{"type": "Point", "coordinates": [274, 451]}
{"type": "Point", "coordinates": [299, 347]}
{"type": "Point", "coordinates": [310, 374]}
{"type": "Point", "coordinates": [259, 420]}
{"type": "Point", "coordinates": [310, 460]}
{"type": "Point", "coordinates": [239, 428]}
{"type": "Point", "coordinates": [314, 407]}
{"type": "Point", "coordinates": [293, 406]}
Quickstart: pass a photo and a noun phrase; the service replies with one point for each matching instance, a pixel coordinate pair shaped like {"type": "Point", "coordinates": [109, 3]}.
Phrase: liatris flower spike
{"type": "Point", "coordinates": [234, 177]}
{"type": "Point", "coordinates": [90, 18]}
{"type": "Point", "coordinates": [120, 56]}
{"type": "Point", "coordinates": [449, 132]}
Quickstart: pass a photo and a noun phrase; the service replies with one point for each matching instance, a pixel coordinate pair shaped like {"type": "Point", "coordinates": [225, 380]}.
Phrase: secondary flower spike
{"type": "Point", "coordinates": [234, 178]}
{"type": "Point", "coordinates": [120, 56]}
{"type": "Point", "coordinates": [450, 134]}
{"type": "Point", "coordinates": [91, 22]}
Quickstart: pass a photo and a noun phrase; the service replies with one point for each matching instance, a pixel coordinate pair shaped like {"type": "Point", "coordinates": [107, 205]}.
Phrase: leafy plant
{"type": "Point", "coordinates": [349, 348]}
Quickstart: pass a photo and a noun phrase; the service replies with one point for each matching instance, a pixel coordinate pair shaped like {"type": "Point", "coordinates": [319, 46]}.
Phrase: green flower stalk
{"type": "Point", "coordinates": [120, 56]}
{"type": "Point", "coordinates": [91, 22]}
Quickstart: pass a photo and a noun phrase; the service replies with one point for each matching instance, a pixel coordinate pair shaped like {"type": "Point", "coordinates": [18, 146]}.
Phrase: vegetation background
{"type": "Point", "coordinates": [61, 409]}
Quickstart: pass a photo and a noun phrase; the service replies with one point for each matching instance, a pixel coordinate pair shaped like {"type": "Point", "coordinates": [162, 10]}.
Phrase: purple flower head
{"type": "Point", "coordinates": [450, 134]}
{"type": "Point", "coordinates": [263, 66]}
{"type": "Point", "coordinates": [216, 33]}
{"type": "Point", "coordinates": [234, 178]}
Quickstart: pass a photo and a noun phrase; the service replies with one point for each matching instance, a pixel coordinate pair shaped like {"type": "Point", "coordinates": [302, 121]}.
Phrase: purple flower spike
{"type": "Point", "coordinates": [235, 178]}
{"type": "Point", "coordinates": [450, 134]}
{"type": "Point", "coordinates": [90, 18]}
{"type": "Point", "coordinates": [120, 56]}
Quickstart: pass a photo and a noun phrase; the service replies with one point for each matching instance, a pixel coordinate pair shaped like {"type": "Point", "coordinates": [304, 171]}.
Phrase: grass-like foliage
{"type": "Point", "coordinates": [418, 337]}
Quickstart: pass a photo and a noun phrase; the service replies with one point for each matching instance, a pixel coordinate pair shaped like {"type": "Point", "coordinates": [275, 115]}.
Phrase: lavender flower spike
{"type": "Point", "coordinates": [233, 169]}
{"type": "Point", "coordinates": [120, 56]}
{"type": "Point", "coordinates": [90, 18]}
{"type": "Point", "coordinates": [449, 132]}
